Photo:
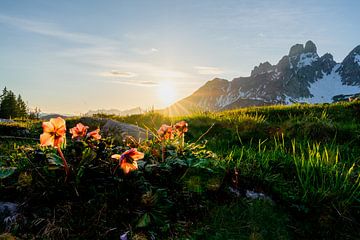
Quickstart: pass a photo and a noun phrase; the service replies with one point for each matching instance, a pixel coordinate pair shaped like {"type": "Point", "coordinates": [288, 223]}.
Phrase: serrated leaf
{"type": "Point", "coordinates": [6, 172]}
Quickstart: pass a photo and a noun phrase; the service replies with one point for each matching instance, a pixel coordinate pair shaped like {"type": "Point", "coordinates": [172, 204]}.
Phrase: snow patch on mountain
{"type": "Point", "coordinates": [306, 59]}
{"type": "Point", "coordinates": [224, 100]}
{"type": "Point", "coordinates": [328, 86]}
{"type": "Point", "coordinates": [357, 59]}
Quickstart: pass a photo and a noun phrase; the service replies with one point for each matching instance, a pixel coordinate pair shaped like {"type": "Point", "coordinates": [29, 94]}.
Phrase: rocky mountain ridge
{"type": "Point", "coordinates": [300, 76]}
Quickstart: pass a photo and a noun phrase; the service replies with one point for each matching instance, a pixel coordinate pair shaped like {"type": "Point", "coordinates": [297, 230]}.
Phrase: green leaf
{"type": "Point", "coordinates": [144, 221]}
{"type": "Point", "coordinates": [56, 160]}
{"type": "Point", "coordinates": [79, 174]}
{"type": "Point", "coordinates": [6, 172]}
{"type": "Point", "coordinates": [88, 155]}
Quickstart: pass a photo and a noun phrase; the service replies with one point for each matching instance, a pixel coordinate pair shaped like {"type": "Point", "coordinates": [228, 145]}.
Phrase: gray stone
{"type": "Point", "coordinates": [125, 131]}
{"type": "Point", "coordinates": [6, 120]}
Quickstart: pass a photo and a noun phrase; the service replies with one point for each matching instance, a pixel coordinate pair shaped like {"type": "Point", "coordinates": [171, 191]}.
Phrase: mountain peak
{"type": "Point", "coordinates": [296, 50]}
{"type": "Point", "coordinates": [310, 47]}
{"type": "Point", "coordinates": [301, 76]}
{"type": "Point", "coordinates": [356, 50]}
{"type": "Point", "coordinates": [262, 68]}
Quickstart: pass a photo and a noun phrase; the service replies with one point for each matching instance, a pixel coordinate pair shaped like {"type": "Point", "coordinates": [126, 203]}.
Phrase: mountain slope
{"type": "Point", "coordinates": [300, 76]}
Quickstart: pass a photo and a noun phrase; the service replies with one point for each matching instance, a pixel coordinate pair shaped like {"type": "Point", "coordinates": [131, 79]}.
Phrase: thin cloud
{"type": "Point", "coordinates": [145, 51]}
{"type": "Point", "coordinates": [149, 83]}
{"type": "Point", "coordinates": [208, 70]}
{"type": "Point", "coordinates": [53, 30]}
{"type": "Point", "coordinates": [136, 83]}
{"type": "Point", "coordinates": [118, 74]}
{"type": "Point", "coordinates": [148, 69]}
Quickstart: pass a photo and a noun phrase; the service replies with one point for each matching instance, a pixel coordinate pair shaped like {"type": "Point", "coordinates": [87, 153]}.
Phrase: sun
{"type": "Point", "coordinates": [166, 92]}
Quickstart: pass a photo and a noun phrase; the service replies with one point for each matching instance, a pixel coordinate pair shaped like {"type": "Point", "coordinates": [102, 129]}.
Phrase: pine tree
{"type": "Point", "coordinates": [21, 110]}
{"type": "Point", "coordinates": [5, 91]}
{"type": "Point", "coordinates": [8, 105]}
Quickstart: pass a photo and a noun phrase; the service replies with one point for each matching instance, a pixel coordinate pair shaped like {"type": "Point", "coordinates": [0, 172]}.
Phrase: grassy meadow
{"type": "Point", "coordinates": [275, 172]}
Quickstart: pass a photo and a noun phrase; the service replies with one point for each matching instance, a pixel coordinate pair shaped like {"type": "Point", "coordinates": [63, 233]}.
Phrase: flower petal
{"type": "Point", "coordinates": [116, 156]}
{"type": "Point", "coordinates": [48, 127]}
{"type": "Point", "coordinates": [128, 167]}
{"type": "Point", "coordinates": [61, 130]}
{"type": "Point", "coordinates": [47, 139]}
{"type": "Point", "coordinates": [136, 155]}
{"type": "Point", "coordinates": [59, 140]}
{"type": "Point", "coordinates": [58, 122]}
{"type": "Point", "coordinates": [95, 134]}
{"type": "Point", "coordinates": [74, 132]}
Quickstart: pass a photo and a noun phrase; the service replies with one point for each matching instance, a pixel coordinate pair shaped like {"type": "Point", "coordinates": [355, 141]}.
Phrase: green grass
{"type": "Point", "coordinates": [244, 219]}
{"type": "Point", "coordinates": [304, 157]}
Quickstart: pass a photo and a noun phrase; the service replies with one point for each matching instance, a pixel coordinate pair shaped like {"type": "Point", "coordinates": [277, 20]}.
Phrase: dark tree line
{"type": "Point", "coordinates": [12, 106]}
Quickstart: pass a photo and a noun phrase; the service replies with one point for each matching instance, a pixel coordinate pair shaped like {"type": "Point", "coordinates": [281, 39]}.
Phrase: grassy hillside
{"type": "Point", "coordinates": [276, 172]}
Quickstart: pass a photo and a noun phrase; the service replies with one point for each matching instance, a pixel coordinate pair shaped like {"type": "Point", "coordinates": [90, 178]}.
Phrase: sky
{"type": "Point", "coordinates": [72, 56]}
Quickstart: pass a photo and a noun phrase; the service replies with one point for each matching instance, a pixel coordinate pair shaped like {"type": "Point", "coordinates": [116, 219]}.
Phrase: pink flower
{"type": "Point", "coordinates": [79, 130]}
{"type": "Point", "coordinates": [95, 134]}
{"type": "Point", "coordinates": [165, 132]}
{"type": "Point", "coordinates": [54, 132]}
{"type": "Point", "coordinates": [54, 135]}
{"type": "Point", "coordinates": [127, 160]}
{"type": "Point", "coordinates": [181, 127]}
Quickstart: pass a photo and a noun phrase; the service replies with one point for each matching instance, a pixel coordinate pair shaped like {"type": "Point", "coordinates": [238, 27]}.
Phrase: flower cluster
{"type": "Point", "coordinates": [79, 131]}
{"type": "Point", "coordinates": [181, 127]}
{"type": "Point", "coordinates": [167, 132]}
{"type": "Point", "coordinates": [55, 134]}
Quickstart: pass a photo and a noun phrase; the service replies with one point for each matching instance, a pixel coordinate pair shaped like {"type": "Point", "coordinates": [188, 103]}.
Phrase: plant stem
{"type": "Point", "coordinates": [182, 142]}
{"type": "Point", "coordinates": [163, 152]}
{"type": "Point", "coordinates": [66, 167]}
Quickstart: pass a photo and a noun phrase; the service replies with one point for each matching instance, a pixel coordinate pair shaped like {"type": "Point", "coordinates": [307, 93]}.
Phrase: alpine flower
{"type": "Point", "coordinates": [95, 134]}
{"type": "Point", "coordinates": [165, 132]}
{"type": "Point", "coordinates": [181, 127]}
{"type": "Point", "coordinates": [54, 132]}
{"type": "Point", "coordinates": [79, 130]}
{"type": "Point", "coordinates": [127, 160]}
{"type": "Point", "coordinates": [54, 135]}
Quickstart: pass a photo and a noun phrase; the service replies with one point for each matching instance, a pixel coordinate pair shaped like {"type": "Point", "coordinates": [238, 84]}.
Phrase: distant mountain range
{"type": "Point", "coordinates": [117, 112]}
{"type": "Point", "coordinates": [300, 76]}
{"type": "Point", "coordinates": [131, 111]}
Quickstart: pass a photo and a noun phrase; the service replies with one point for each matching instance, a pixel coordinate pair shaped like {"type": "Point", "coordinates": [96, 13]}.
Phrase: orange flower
{"type": "Point", "coordinates": [127, 160]}
{"type": "Point", "coordinates": [95, 134]}
{"type": "Point", "coordinates": [165, 132]}
{"type": "Point", "coordinates": [181, 127]}
{"type": "Point", "coordinates": [54, 132]}
{"type": "Point", "coordinates": [79, 130]}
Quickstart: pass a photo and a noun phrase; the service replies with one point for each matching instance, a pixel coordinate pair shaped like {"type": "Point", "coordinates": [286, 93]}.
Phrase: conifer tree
{"type": "Point", "coordinates": [8, 105]}
{"type": "Point", "coordinates": [4, 92]}
{"type": "Point", "coordinates": [21, 110]}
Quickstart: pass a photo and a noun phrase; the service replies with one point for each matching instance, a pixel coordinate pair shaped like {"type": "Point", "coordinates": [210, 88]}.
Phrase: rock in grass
{"type": "Point", "coordinates": [125, 131]}
{"type": "Point", "coordinates": [120, 131]}
{"type": "Point", "coordinates": [6, 120]}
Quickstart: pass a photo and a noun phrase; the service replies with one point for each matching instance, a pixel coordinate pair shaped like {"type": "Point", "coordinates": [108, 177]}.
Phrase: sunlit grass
{"type": "Point", "coordinates": [304, 157]}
